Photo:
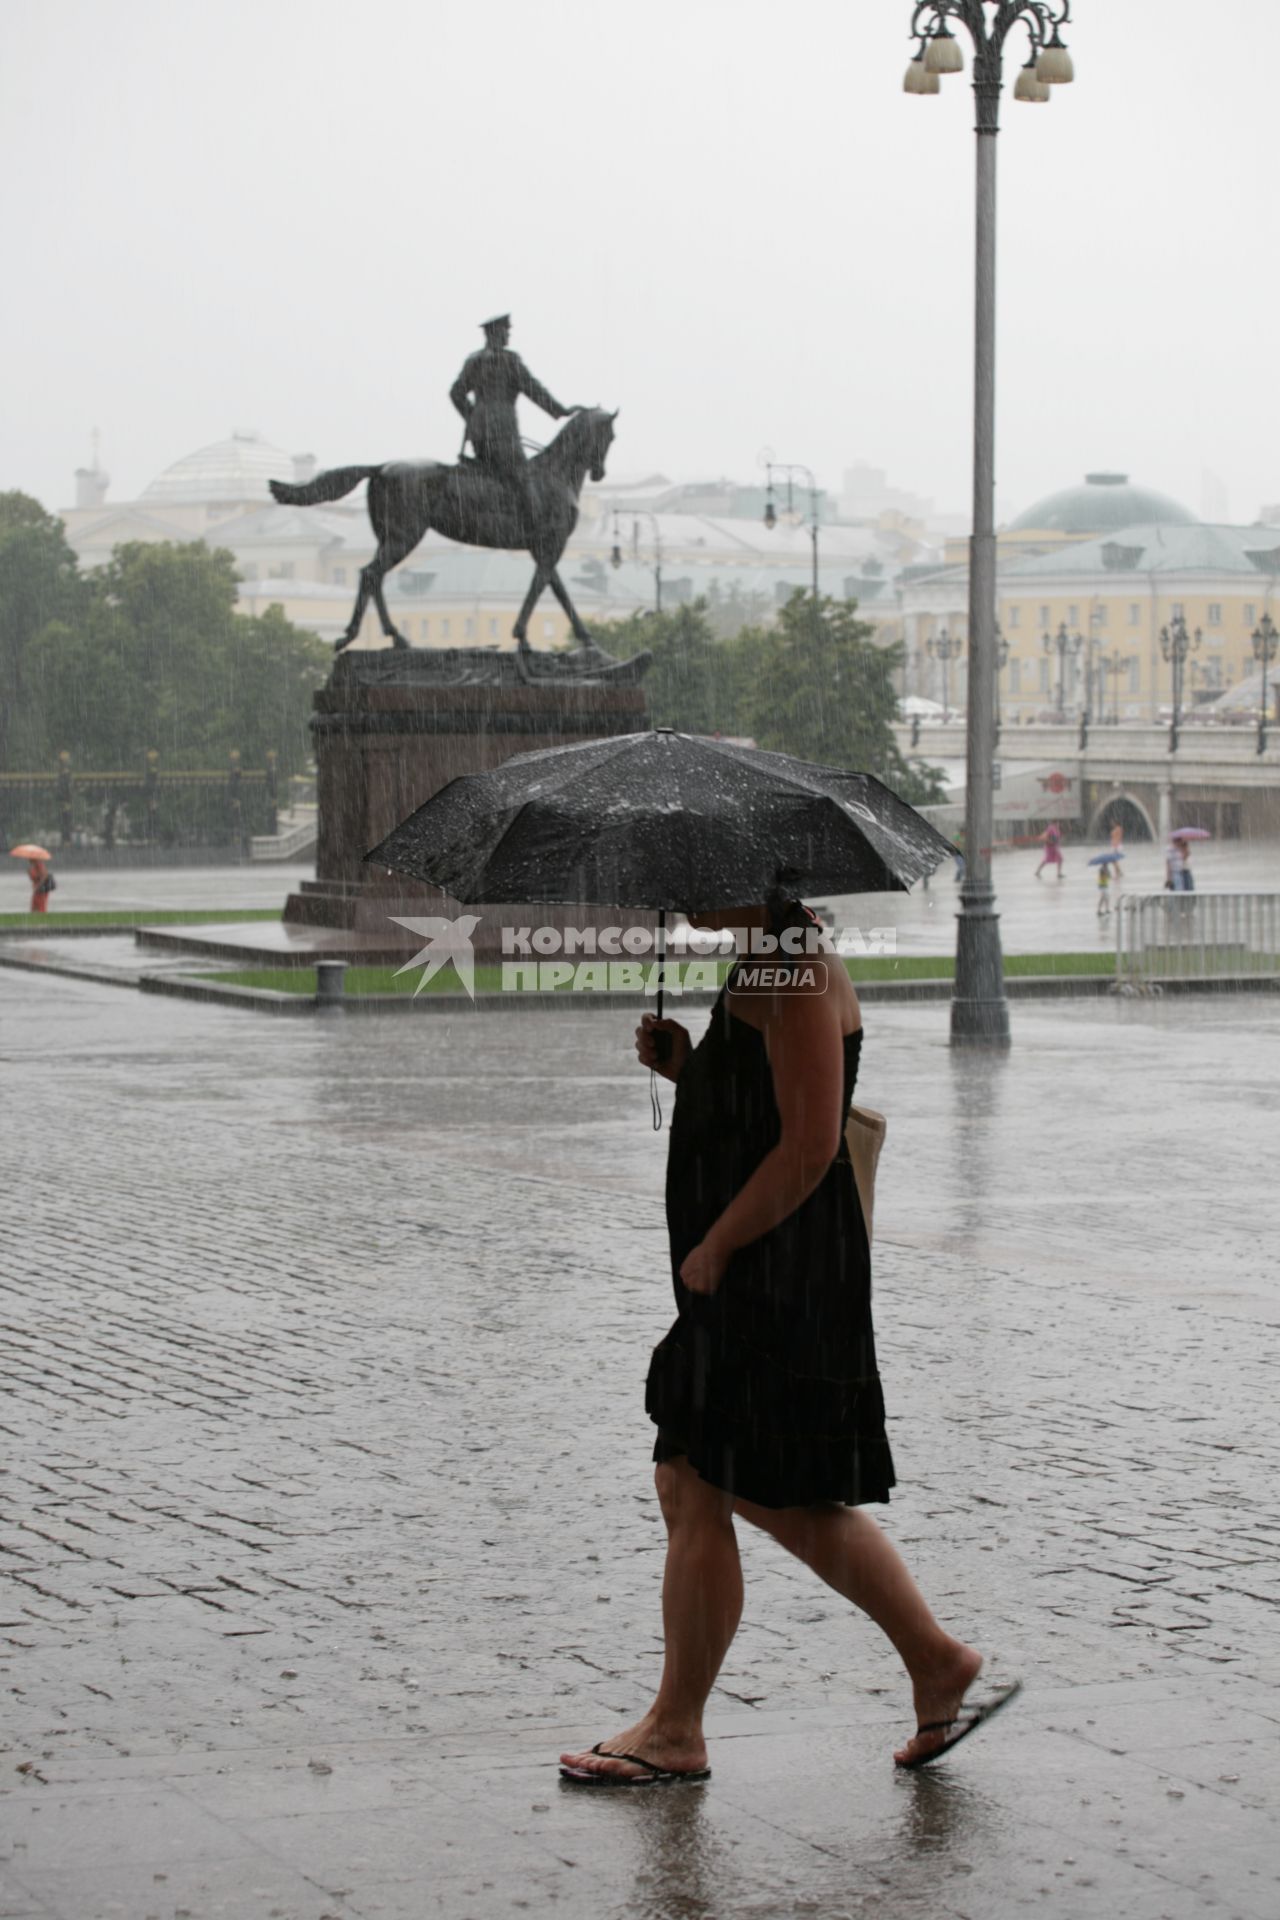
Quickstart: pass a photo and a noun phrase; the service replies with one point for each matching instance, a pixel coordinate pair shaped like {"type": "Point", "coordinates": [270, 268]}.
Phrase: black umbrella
{"type": "Point", "coordinates": [662, 820]}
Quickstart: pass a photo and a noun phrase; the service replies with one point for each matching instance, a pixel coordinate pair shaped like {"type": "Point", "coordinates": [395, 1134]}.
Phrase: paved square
{"type": "Point", "coordinates": [328, 1517]}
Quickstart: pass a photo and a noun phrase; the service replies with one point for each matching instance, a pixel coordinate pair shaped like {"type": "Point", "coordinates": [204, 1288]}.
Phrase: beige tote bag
{"type": "Point", "coordinates": [864, 1131]}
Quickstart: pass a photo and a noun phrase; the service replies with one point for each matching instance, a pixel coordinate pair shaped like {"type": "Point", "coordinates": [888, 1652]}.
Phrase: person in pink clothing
{"type": "Point", "coordinates": [1052, 837]}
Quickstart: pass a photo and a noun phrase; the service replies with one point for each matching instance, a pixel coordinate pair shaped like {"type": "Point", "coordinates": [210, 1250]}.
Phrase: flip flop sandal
{"type": "Point", "coordinates": [653, 1776]}
{"type": "Point", "coordinates": [965, 1724]}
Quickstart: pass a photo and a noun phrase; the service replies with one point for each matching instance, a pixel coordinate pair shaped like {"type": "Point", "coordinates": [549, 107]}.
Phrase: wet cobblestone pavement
{"type": "Point", "coordinates": [329, 1519]}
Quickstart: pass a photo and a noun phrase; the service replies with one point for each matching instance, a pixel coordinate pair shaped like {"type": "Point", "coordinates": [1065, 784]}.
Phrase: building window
{"type": "Point", "coordinates": [1250, 613]}
{"type": "Point", "coordinates": [426, 629]}
{"type": "Point", "coordinates": [444, 628]}
{"type": "Point", "coordinates": [1135, 673]}
{"type": "Point", "coordinates": [1044, 676]}
{"type": "Point", "coordinates": [1175, 611]}
{"type": "Point", "coordinates": [1015, 616]}
{"type": "Point", "coordinates": [339, 576]}
{"type": "Point", "coordinates": [1073, 616]}
{"type": "Point", "coordinates": [468, 629]}
{"type": "Point", "coordinates": [283, 570]}
{"type": "Point", "coordinates": [1044, 616]}
{"type": "Point", "coordinates": [1215, 613]}
{"type": "Point", "coordinates": [1015, 676]}
{"type": "Point", "coordinates": [493, 629]}
{"type": "Point", "coordinates": [1135, 614]}
{"type": "Point", "coordinates": [548, 629]}
{"type": "Point", "coordinates": [1102, 615]}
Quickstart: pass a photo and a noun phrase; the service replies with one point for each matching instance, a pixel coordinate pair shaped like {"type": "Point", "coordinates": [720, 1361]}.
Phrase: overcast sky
{"type": "Point", "coordinates": [722, 216]}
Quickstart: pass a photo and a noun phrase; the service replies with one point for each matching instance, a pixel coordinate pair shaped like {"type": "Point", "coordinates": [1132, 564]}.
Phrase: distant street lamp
{"type": "Point", "coordinates": [1002, 661]}
{"type": "Point", "coordinates": [1175, 644]}
{"type": "Point", "coordinates": [1265, 639]}
{"type": "Point", "coordinates": [1066, 646]}
{"type": "Point", "coordinates": [615, 558]}
{"type": "Point", "coordinates": [789, 470]}
{"type": "Point", "coordinates": [979, 1007]}
{"type": "Point", "coordinates": [1092, 676]}
{"type": "Point", "coordinates": [941, 646]}
{"type": "Point", "coordinates": [1114, 664]}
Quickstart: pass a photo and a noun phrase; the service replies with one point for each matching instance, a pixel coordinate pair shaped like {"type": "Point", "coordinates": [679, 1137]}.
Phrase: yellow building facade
{"type": "Point", "coordinates": [1114, 595]}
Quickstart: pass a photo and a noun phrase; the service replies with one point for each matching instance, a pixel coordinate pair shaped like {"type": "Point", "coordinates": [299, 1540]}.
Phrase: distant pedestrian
{"type": "Point", "coordinates": [1117, 841]}
{"type": "Point", "coordinates": [42, 885]}
{"type": "Point", "coordinates": [1104, 890]}
{"type": "Point", "coordinates": [1178, 877]}
{"type": "Point", "coordinates": [1052, 838]}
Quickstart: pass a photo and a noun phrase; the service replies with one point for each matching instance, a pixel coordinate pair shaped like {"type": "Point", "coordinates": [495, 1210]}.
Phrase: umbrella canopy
{"type": "Point", "coordinates": [1106, 859]}
{"type": "Point", "coordinates": [1191, 833]}
{"type": "Point", "coordinates": [659, 820]}
{"type": "Point", "coordinates": [29, 851]}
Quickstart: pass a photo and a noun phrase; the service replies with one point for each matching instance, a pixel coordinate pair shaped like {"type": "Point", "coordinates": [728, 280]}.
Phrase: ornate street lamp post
{"type": "Point", "coordinates": [1002, 661]}
{"type": "Point", "coordinates": [979, 1009]}
{"type": "Point", "coordinates": [1066, 646]}
{"type": "Point", "coordinates": [1092, 678]}
{"type": "Point", "coordinates": [941, 646]}
{"type": "Point", "coordinates": [1265, 639]}
{"type": "Point", "coordinates": [1175, 645]}
{"type": "Point", "coordinates": [789, 471]}
{"type": "Point", "coordinates": [615, 558]}
{"type": "Point", "coordinates": [1114, 664]}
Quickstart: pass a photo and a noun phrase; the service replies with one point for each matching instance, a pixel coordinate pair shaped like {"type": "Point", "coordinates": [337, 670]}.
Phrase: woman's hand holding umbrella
{"type": "Point", "coordinates": [647, 1051]}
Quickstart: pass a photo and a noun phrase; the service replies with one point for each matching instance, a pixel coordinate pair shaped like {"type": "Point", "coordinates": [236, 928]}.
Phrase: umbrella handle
{"type": "Point", "coordinates": [662, 1041]}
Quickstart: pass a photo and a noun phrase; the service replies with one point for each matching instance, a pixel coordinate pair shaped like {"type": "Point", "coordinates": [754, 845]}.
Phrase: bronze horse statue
{"type": "Point", "coordinates": [469, 503]}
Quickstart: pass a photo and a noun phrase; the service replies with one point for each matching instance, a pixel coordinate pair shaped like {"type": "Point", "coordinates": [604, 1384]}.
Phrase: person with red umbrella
{"type": "Point", "coordinates": [42, 881]}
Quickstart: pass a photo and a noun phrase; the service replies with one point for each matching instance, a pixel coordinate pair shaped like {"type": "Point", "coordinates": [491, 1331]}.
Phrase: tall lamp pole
{"type": "Point", "coordinates": [1265, 639]}
{"type": "Point", "coordinates": [615, 558]}
{"type": "Point", "coordinates": [1175, 644]}
{"type": "Point", "coordinates": [788, 471]}
{"type": "Point", "coordinates": [979, 1008]}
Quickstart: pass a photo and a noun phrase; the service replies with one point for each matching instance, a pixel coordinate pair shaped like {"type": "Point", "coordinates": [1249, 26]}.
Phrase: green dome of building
{"type": "Point", "coordinates": [1105, 503]}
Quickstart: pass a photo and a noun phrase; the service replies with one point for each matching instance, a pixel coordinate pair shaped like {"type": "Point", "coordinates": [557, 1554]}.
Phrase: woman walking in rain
{"type": "Point", "coordinates": [1052, 838]}
{"type": "Point", "coordinates": [765, 1391]}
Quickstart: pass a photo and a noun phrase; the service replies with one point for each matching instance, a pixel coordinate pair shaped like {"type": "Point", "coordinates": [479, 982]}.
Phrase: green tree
{"type": "Point", "coordinates": [817, 686]}
{"type": "Point", "coordinates": [159, 658]}
{"type": "Point", "coordinates": [38, 583]}
{"type": "Point", "coordinates": [692, 684]}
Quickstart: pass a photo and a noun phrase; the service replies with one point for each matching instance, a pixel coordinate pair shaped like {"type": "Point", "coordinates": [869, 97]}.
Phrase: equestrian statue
{"type": "Point", "coordinates": [496, 499]}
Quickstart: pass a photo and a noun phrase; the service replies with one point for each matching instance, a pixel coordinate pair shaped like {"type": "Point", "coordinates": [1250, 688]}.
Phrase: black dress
{"type": "Point", "coordinates": [769, 1385]}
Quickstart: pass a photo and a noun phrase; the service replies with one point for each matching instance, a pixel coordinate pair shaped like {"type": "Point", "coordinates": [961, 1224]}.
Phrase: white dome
{"type": "Point", "coordinates": [234, 469]}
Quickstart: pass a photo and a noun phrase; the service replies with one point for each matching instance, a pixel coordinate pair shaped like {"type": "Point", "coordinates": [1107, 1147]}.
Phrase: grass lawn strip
{"type": "Point", "coordinates": [383, 980]}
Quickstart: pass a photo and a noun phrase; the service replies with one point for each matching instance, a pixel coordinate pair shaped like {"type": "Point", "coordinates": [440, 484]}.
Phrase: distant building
{"type": "Point", "coordinates": [1114, 564]}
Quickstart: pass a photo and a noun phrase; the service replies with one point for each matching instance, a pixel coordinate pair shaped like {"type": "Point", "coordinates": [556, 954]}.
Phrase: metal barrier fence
{"type": "Point", "coordinates": [1195, 936]}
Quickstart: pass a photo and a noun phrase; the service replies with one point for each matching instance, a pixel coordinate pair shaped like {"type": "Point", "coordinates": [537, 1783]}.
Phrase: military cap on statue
{"type": "Point", "coordinates": [499, 320]}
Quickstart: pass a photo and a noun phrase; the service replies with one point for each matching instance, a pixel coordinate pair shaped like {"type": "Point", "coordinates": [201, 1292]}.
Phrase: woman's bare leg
{"type": "Point", "coordinates": [701, 1607]}
{"type": "Point", "coordinates": [845, 1547]}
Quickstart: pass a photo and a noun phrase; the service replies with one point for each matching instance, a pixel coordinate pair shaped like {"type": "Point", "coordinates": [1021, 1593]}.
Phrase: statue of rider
{"type": "Point", "coordinates": [485, 394]}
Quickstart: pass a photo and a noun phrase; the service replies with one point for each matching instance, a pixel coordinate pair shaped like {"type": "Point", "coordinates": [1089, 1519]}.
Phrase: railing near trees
{"type": "Point", "coordinates": [148, 807]}
{"type": "Point", "coordinates": [1166, 937]}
